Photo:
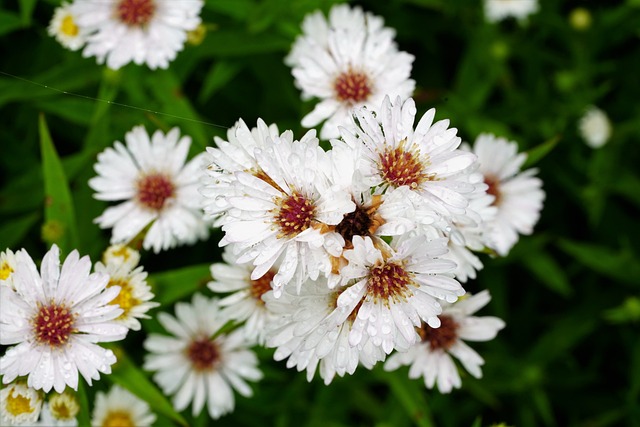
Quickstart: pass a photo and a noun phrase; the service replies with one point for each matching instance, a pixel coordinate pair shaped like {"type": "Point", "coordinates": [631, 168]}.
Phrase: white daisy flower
{"type": "Point", "coordinates": [431, 358]}
{"type": "Point", "coordinates": [426, 160]}
{"type": "Point", "coordinates": [19, 404]}
{"type": "Point", "coordinates": [393, 288]}
{"type": "Point", "coordinates": [498, 10]}
{"type": "Point", "coordinates": [60, 411]}
{"type": "Point", "coordinates": [349, 61]}
{"type": "Point", "coordinates": [245, 304]}
{"type": "Point", "coordinates": [306, 333]}
{"type": "Point", "coordinates": [148, 32]}
{"type": "Point", "coordinates": [236, 154]}
{"type": "Point", "coordinates": [281, 216]}
{"type": "Point", "coordinates": [518, 196]}
{"type": "Point", "coordinates": [56, 317]}
{"type": "Point", "coordinates": [160, 190]}
{"type": "Point", "coordinates": [121, 408]}
{"type": "Point", "coordinates": [595, 127]}
{"type": "Point", "coordinates": [64, 28]}
{"type": "Point", "coordinates": [195, 367]}
{"type": "Point", "coordinates": [8, 263]}
{"type": "Point", "coordinates": [135, 294]}
{"type": "Point", "coordinates": [121, 254]}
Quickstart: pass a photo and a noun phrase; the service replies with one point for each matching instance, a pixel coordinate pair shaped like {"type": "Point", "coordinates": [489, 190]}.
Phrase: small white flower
{"type": "Point", "coordinates": [148, 32]}
{"type": "Point", "coordinates": [307, 334]}
{"type": "Point", "coordinates": [518, 196]}
{"type": "Point", "coordinates": [595, 127]}
{"type": "Point", "coordinates": [56, 317]}
{"type": "Point", "coordinates": [393, 288]}
{"type": "Point", "coordinates": [280, 216]}
{"type": "Point", "coordinates": [426, 160]}
{"type": "Point", "coordinates": [498, 10]}
{"type": "Point", "coordinates": [60, 411]}
{"type": "Point", "coordinates": [8, 263]}
{"type": "Point", "coordinates": [245, 304]}
{"type": "Point", "coordinates": [349, 61]}
{"type": "Point", "coordinates": [160, 190]}
{"type": "Point", "coordinates": [431, 358]}
{"type": "Point", "coordinates": [194, 367]}
{"type": "Point", "coordinates": [235, 155]}
{"type": "Point", "coordinates": [135, 294]}
{"type": "Point", "coordinates": [121, 254]}
{"type": "Point", "coordinates": [19, 404]}
{"type": "Point", "coordinates": [119, 407]}
{"type": "Point", "coordinates": [64, 28]}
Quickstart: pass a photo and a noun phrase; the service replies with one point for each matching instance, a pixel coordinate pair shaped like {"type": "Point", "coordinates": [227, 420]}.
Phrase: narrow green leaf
{"type": "Point", "coordinates": [548, 272]}
{"type": "Point", "coordinates": [239, 9]}
{"type": "Point", "coordinates": [173, 285]}
{"type": "Point", "coordinates": [60, 220]}
{"type": "Point", "coordinates": [220, 74]}
{"type": "Point", "coordinates": [543, 406]}
{"type": "Point", "coordinates": [126, 374]}
{"type": "Point", "coordinates": [26, 10]}
{"type": "Point", "coordinates": [84, 417]}
{"type": "Point", "coordinates": [241, 43]}
{"type": "Point", "coordinates": [537, 153]}
{"type": "Point", "coordinates": [565, 334]}
{"type": "Point", "coordinates": [9, 22]}
{"type": "Point", "coordinates": [12, 232]}
{"type": "Point", "coordinates": [410, 394]}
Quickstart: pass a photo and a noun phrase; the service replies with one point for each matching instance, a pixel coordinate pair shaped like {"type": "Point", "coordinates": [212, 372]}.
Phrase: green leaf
{"type": "Point", "coordinates": [60, 219]}
{"type": "Point", "coordinates": [9, 22]}
{"type": "Point", "coordinates": [537, 153]}
{"type": "Point", "coordinates": [26, 10]}
{"type": "Point", "coordinates": [620, 264]}
{"type": "Point", "coordinates": [84, 417]}
{"type": "Point", "coordinates": [239, 9]}
{"type": "Point", "coordinates": [12, 232]}
{"type": "Point", "coordinates": [173, 285]}
{"type": "Point", "coordinates": [240, 43]}
{"type": "Point", "coordinates": [541, 401]}
{"type": "Point", "coordinates": [410, 394]}
{"type": "Point", "coordinates": [126, 374]}
{"type": "Point", "coordinates": [220, 74]}
{"type": "Point", "coordinates": [548, 272]}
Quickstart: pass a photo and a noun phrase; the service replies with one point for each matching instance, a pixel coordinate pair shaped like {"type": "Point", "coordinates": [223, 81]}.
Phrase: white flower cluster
{"type": "Point", "coordinates": [118, 32]}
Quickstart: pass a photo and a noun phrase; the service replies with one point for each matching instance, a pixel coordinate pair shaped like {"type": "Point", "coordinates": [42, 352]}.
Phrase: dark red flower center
{"type": "Point", "coordinates": [443, 337]}
{"type": "Point", "coordinates": [135, 12]}
{"type": "Point", "coordinates": [53, 325]}
{"type": "Point", "coordinates": [154, 190]}
{"type": "Point", "coordinates": [352, 87]}
{"type": "Point", "coordinates": [203, 354]}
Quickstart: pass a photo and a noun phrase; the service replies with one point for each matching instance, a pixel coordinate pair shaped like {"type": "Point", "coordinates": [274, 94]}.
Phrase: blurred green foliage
{"type": "Point", "coordinates": [570, 355]}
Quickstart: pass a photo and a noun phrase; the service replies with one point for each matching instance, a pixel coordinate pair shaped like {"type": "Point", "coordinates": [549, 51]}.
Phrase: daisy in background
{"type": "Point", "coordinates": [498, 10]}
{"type": "Point", "coordinates": [8, 262]}
{"type": "Point", "coordinates": [425, 160]}
{"type": "Point", "coordinates": [19, 404]}
{"type": "Point", "coordinates": [347, 61]}
{"type": "Point", "coordinates": [245, 304]}
{"type": "Point", "coordinates": [235, 154]}
{"type": "Point", "coordinates": [120, 408]}
{"type": "Point", "coordinates": [595, 127]}
{"type": "Point", "coordinates": [147, 32]}
{"type": "Point", "coordinates": [60, 410]}
{"type": "Point", "coordinates": [135, 294]}
{"type": "Point", "coordinates": [64, 28]}
{"type": "Point", "coordinates": [121, 255]}
{"type": "Point", "coordinates": [195, 367]}
{"type": "Point", "coordinates": [518, 196]}
{"type": "Point", "coordinates": [392, 289]}
{"type": "Point", "coordinates": [431, 357]}
{"type": "Point", "coordinates": [158, 187]}
{"type": "Point", "coordinates": [56, 317]}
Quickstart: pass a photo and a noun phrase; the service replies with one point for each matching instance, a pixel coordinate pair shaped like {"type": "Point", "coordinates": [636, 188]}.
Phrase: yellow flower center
{"type": "Point", "coordinates": [118, 419]}
{"type": "Point", "coordinates": [5, 271]}
{"type": "Point", "coordinates": [18, 404]}
{"type": "Point", "coordinates": [68, 27]}
{"type": "Point", "coordinates": [125, 299]}
{"type": "Point", "coordinates": [63, 406]}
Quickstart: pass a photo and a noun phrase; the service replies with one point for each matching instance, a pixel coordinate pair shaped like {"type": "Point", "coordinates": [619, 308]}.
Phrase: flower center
{"type": "Point", "coordinates": [135, 12]}
{"type": "Point", "coordinates": [53, 325]}
{"type": "Point", "coordinates": [5, 271]}
{"type": "Point", "coordinates": [389, 281]}
{"type": "Point", "coordinates": [443, 337]}
{"type": "Point", "coordinates": [295, 215]}
{"type": "Point", "coordinates": [203, 354]}
{"type": "Point", "coordinates": [125, 299]}
{"type": "Point", "coordinates": [261, 286]}
{"type": "Point", "coordinates": [352, 87]}
{"type": "Point", "coordinates": [399, 167]}
{"type": "Point", "coordinates": [18, 404]}
{"type": "Point", "coordinates": [494, 189]}
{"type": "Point", "coordinates": [63, 406]}
{"type": "Point", "coordinates": [363, 221]}
{"type": "Point", "coordinates": [118, 419]}
{"type": "Point", "coordinates": [154, 190]}
{"type": "Point", "coordinates": [68, 27]}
